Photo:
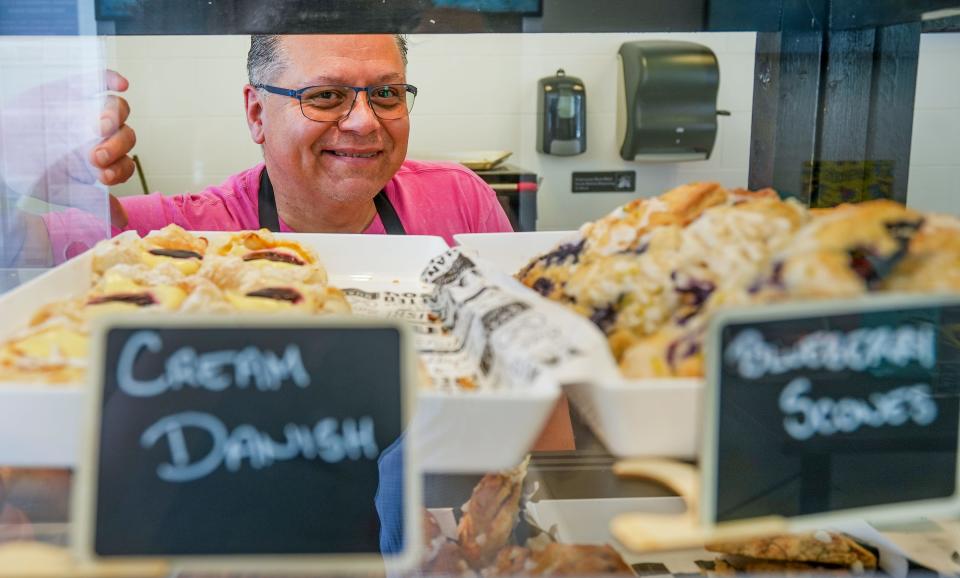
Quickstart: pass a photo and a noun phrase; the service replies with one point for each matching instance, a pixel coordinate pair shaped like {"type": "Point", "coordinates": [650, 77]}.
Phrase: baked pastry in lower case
{"type": "Point", "coordinates": [441, 557]}
{"type": "Point", "coordinates": [169, 246]}
{"type": "Point", "coordinates": [733, 565]}
{"type": "Point", "coordinates": [822, 547]}
{"type": "Point", "coordinates": [559, 560]}
{"type": "Point", "coordinates": [447, 561]}
{"type": "Point", "coordinates": [490, 515]}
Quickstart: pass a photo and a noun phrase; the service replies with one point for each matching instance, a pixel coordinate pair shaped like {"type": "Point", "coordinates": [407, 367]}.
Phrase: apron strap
{"type": "Point", "coordinates": [267, 204]}
{"type": "Point", "coordinates": [388, 215]}
{"type": "Point", "coordinates": [270, 219]}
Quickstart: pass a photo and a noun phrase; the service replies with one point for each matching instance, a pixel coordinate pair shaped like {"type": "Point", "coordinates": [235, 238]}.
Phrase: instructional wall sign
{"type": "Point", "coordinates": [830, 408]}
{"type": "Point", "coordinates": [215, 439]}
{"type": "Point", "coordinates": [605, 182]}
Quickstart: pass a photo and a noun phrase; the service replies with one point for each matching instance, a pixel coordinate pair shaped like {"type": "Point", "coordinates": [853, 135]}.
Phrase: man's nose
{"type": "Point", "coordinates": [361, 119]}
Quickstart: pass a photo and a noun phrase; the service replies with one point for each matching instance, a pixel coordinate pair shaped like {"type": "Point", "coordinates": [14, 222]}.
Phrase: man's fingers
{"type": "Point", "coordinates": [115, 81]}
{"type": "Point", "coordinates": [114, 148]}
{"type": "Point", "coordinates": [118, 172]}
{"type": "Point", "coordinates": [115, 113]}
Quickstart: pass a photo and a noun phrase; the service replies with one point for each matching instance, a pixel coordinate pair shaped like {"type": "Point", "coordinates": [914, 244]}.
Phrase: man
{"type": "Point", "coordinates": [332, 116]}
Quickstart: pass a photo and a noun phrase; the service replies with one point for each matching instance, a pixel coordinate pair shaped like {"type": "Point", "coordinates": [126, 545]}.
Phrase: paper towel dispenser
{"type": "Point", "coordinates": [667, 110]}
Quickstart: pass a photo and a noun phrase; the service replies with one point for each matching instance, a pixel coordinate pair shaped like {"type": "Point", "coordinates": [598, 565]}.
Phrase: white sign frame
{"type": "Point", "coordinates": [782, 312]}
{"type": "Point", "coordinates": [86, 474]}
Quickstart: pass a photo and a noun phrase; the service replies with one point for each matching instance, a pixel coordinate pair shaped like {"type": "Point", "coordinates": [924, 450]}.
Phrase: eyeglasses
{"type": "Point", "coordinates": [333, 103]}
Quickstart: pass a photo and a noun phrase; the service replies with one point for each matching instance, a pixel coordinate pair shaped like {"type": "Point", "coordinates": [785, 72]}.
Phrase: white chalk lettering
{"type": "Point", "coordinates": [806, 417]}
{"type": "Point", "coordinates": [329, 440]}
{"type": "Point", "coordinates": [212, 371]}
{"type": "Point", "coordinates": [857, 350]}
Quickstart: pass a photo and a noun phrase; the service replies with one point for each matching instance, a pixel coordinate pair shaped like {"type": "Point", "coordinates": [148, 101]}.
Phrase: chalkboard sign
{"type": "Point", "coordinates": [826, 410]}
{"type": "Point", "coordinates": [213, 439]}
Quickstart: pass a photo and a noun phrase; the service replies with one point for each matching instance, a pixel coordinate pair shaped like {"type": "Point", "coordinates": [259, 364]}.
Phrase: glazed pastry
{"type": "Point", "coordinates": [733, 565]}
{"type": "Point", "coordinates": [559, 560]}
{"type": "Point", "coordinates": [490, 515]}
{"type": "Point", "coordinates": [441, 556]}
{"type": "Point", "coordinates": [820, 547]}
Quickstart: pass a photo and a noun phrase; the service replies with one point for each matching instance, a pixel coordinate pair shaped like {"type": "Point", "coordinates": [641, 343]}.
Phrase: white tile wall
{"type": "Point", "coordinates": [935, 152]}
{"type": "Point", "coordinates": [479, 92]}
{"type": "Point", "coordinates": [442, 65]}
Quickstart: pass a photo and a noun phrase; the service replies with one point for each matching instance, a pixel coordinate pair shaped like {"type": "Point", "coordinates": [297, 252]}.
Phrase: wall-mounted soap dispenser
{"type": "Point", "coordinates": [667, 110]}
{"type": "Point", "coordinates": [561, 115]}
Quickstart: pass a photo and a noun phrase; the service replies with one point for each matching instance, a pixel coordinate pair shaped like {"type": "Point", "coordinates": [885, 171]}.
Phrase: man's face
{"type": "Point", "coordinates": [315, 156]}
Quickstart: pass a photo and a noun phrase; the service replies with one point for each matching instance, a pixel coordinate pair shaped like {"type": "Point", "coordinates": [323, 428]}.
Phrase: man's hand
{"type": "Point", "coordinates": [110, 156]}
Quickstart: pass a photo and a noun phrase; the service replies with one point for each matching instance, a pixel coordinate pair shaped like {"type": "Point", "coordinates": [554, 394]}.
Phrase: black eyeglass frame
{"type": "Point", "coordinates": [298, 94]}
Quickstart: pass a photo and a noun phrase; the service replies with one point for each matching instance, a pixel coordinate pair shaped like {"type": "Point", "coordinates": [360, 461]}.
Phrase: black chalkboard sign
{"type": "Point", "coordinates": [833, 407]}
{"type": "Point", "coordinates": [217, 438]}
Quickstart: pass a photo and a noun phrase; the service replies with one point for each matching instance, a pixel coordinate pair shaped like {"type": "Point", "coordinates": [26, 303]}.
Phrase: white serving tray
{"type": "Point", "coordinates": [632, 417]}
{"type": "Point", "coordinates": [456, 432]}
{"type": "Point", "coordinates": [643, 417]}
{"type": "Point", "coordinates": [509, 252]}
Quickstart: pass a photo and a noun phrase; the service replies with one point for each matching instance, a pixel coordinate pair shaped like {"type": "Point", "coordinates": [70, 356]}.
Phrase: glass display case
{"type": "Point", "coordinates": [541, 383]}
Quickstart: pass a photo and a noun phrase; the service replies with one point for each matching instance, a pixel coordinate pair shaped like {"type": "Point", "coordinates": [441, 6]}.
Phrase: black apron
{"type": "Point", "coordinates": [270, 219]}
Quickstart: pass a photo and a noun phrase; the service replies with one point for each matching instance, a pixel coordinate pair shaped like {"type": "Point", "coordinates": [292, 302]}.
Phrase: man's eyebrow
{"type": "Point", "coordinates": [339, 81]}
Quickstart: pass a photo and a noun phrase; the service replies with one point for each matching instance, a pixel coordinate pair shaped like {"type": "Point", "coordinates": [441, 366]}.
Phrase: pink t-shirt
{"type": "Point", "coordinates": [430, 199]}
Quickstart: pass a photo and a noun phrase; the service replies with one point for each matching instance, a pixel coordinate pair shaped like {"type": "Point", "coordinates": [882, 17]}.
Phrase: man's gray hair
{"type": "Point", "coordinates": [265, 59]}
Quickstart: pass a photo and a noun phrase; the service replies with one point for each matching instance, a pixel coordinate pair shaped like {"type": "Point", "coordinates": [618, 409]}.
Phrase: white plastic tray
{"type": "Point", "coordinates": [633, 418]}
{"type": "Point", "coordinates": [510, 251]}
{"type": "Point", "coordinates": [643, 417]}
{"type": "Point", "coordinates": [457, 432]}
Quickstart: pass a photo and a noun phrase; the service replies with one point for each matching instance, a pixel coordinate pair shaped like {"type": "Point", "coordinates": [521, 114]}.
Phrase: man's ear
{"type": "Point", "coordinates": [254, 108]}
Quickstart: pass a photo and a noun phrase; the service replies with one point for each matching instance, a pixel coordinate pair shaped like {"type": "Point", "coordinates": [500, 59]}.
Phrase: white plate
{"type": "Point", "coordinates": [643, 417]}
{"type": "Point", "coordinates": [509, 252]}
{"type": "Point", "coordinates": [476, 160]}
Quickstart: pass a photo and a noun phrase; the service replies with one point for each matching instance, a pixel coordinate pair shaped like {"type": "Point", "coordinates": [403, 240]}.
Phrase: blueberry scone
{"type": "Point", "coordinates": [660, 261]}
{"type": "Point", "coordinates": [843, 252]}
{"type": "Point", "coordinates": [932, 262]}
{"type": "Point", "coordinates": [622, 231]}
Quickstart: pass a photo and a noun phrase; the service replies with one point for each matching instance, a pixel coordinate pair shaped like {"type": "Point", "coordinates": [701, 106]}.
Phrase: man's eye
{"type": "Point", "coordinates": [386, 92]}
{"type": "Point", "coordinates": [323, 98]}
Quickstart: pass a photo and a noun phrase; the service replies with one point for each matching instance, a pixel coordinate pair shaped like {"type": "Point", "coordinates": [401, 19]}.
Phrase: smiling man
{"type": "Point", "coordinates": [331, 113]}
